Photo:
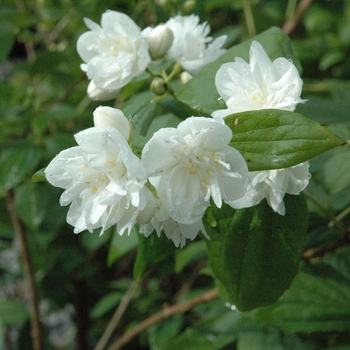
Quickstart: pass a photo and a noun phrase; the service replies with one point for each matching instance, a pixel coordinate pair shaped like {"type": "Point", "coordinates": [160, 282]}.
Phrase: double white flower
{"type": "Point", "coordinates": [192, 46]}
{"type": "Point", "coordinates": [188, 166]}
{"type": "Point", "coordinates": [114, 52]}
{"type": "Point", "coordinates": [103, 179]}
{"type": "Point", "coordinates": [262, 84]}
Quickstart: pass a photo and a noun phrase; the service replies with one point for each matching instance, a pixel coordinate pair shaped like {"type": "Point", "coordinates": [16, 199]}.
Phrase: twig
{"type": "Point", "coordinates": [117, 316]}
{"type": "Point", "coordinates": [291, 24]}
{"type": "Point", "coordinates": [28, 270]}
{"type": "Point", "coordinates": [163, 314]}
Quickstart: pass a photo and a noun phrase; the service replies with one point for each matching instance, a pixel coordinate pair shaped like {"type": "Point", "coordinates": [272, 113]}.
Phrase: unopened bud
{"type": "Point", "coordinates": [169, 6]}
{"type": "Point", "coordinates": [158, 86]}
{"type": "Point", "coordinates": [111, 117]}
{"type": "Point", "coordinates": [159, 41]}
{"type": "Point", "coordinates": [188, 7]}
{"type": "Point", "coordinates": [97, 94]}
{"type": "Point", "coordinates": [185, 77]}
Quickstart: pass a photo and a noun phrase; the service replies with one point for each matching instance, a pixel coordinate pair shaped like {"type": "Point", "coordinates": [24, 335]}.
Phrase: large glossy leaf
{"type": "Point", "coordinates": [255, 252]}
{"type": "Point", "coordinates": [272, 138]}
{"type": "Point", "coordinates": [200, 93]}
{"type": "Point", "coordinates": [312, 304]}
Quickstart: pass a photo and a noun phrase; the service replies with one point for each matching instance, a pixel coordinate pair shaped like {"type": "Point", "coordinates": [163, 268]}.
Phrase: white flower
{"type": "Point", "coordinates": [273, 185]}
{"type": "Point", "coordinates": [192, 163]}
{"type": "Point", "coordinates": [103, 180]}
{"type": "Point", "coordinates": [107, 116]}
{"type": "Point", "coordinates": [259, 84]}
{"type": "Point", "coordinates": [159, 41]}
{"type": "Point", "coordinates": [263, 84]}
{"type": "Point", "coordinates": [97, 94]}
{"type": "Point", "coordinates": [114, 52]}
{"type": "Point", "coordinates": [192, 46]}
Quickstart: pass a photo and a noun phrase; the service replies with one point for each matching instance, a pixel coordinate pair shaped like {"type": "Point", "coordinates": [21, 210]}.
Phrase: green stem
{"type": "Point", "coordinates": [291, 9]}
{"type": "Point", "coordinates": [249, 18]}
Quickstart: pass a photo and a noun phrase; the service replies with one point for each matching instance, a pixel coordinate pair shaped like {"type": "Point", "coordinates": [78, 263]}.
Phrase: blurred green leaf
{"type": "Point", "coordinates": [106, 304]}
{"type": "Point", "coordinates": [255, 252]}
{"type": "Point", "coordinates": [13, 313]}
{"type": "Point", "coordinates": [16, 163]}
{"type": "Point", "coordinates": [151, 250]}
{"type": "Point", "coordinates": [120, 245]}
{"type": "Point", "coordinates": [7, 38]}
{"type": "Point", "coordinates": [336, 171]}
{"type": "Point", "coordinates": [272, 139]}
{"type": "Point", "coordinates": [190, 253]}
{"type": "Point", "coordinates": [31, 204]}
{"type": "Point", "coordinates": [340, 261]}
{"type": "Point", "coordinates": [200, 94]}
{"type": "Point", "coordinates": [312, 304]}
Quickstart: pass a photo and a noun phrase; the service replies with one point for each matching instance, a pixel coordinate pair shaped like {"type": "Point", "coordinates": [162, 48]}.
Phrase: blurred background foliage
{"type": "Point", "coordinates": [81, 279]}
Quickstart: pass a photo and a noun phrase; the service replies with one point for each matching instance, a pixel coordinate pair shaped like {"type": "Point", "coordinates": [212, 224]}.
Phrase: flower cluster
{"type": "Point", "coordinates": [118, 50]}
{"type": "Point", "coordinates": [181, 171]}
{"type": "Point", "coordinates": [262, 84]}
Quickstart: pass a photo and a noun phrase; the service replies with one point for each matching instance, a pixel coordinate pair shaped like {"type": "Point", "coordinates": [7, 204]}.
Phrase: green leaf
{"type": "Point", "coordinates": [255, 252]}
{"type": "Point", "coordinates": [140, 109]}
{"type": "Point", "coordinates": [192, 252]}
{"type": "Point", "coordinates": [200, 93]}
{"type": "Point", "coordinates": [336, 171]}
{"type": "Point", "coordinates": [312, 304]}
{"type": "Point", "coordinates": [31, 204]}
{"type": "Point", "coordinates": [120, 245]}
{"type": "Point", "coordinates": [340, 261]}
{"type": "Point", "coordinates": [12, 313]}
{"type": "Point", "coordinates": [16, 163]}
{"type": "Point", "coordinates": [106, 304]}
{"type": "Point", "coordinates": [7, 38]}
{"type": "Point", "coordinates": [151, 250]}
{"type": "Point", "coordinates": [272, 138]}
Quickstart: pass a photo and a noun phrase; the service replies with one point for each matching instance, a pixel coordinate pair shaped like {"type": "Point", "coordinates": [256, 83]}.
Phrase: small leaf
{"type": "Point", "coordinates": [255, 252]}
{"type": "Point", "coordinates": [200, 93]}
{"type": "Point", "coordinates": [151, 250]}
{"type": "Point", "coordinates": [39, 176]}
{"type": "Point", "coordinates": [272, 138]}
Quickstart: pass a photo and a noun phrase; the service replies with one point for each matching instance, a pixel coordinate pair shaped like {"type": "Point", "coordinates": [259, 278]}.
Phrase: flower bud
{"type": "Point", "coordinates": [158, 86]}
{"type": "Point", "coordinates": [185, 77]}
{"type": "Point", "coordinates": [108, 116]}
{"type": "Point", "coordinates": [97, 94]}
{"type": "Point", "coordinates": [160, 40]}
{"type": "Point", "coordinates": [188, 7]}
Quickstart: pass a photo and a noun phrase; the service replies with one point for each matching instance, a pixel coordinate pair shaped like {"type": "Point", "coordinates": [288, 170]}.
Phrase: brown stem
{"type": "Point", "coordinates": [291, 24]}
{"type": "Point", "coordinates": [28, 270]}
{"type": "Point", "coordinates": [163, 314]}
{"type": "Point", "coordinates": [117, 316]}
